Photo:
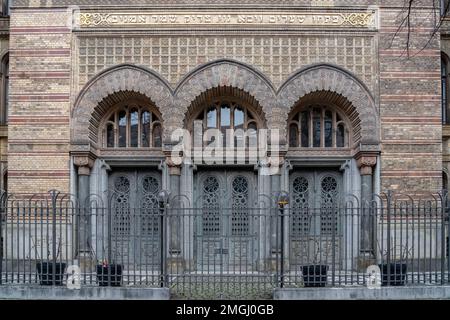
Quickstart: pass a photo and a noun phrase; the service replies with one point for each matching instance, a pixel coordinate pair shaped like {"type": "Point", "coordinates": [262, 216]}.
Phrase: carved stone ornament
{"type": "Point", "coordinates": [84, 165]}
{"type": "Point", "coordinates": [366, 164]}
{"type": "Point", "coordinates": [292, 18]}
{"type": "Point", "coordinates": [174, 168]}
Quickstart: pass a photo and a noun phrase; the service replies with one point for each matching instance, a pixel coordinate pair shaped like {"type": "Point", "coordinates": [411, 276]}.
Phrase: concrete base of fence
{"type": "Point", "coordinates": [361, 293]}
{"type": "Point", "coordinates": [86, 293]}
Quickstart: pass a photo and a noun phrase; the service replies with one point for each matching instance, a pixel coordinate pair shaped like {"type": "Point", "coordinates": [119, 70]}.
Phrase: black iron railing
{"type": "Point", "coordinates": [217, 252]}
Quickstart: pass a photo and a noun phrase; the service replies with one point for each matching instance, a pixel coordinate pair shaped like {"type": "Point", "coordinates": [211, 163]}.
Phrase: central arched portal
{"type": "Point", "coordinates": [225, 123]}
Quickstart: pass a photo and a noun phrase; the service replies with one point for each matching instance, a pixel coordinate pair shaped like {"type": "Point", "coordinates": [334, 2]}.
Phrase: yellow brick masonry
{"type": "Point", "coordinates": [39, 128]}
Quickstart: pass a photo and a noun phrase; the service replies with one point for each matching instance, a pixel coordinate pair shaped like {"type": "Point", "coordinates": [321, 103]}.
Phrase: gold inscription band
{"type": "Point", "coordinates": [304, 19]}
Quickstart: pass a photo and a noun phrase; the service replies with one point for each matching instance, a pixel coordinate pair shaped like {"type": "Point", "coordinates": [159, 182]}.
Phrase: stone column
{"type": "Point", "coordinates": [175, 214]}
{"type": "Point", "coordinates": [366, 163]}
{"type": "Point", "coordinates": [275, 170]}
{"type": "Point", "coordinates": [84, 165]}
{"type": "Point", "coordinates": [266, 224]}
{"type": "Point", "coordinates": [276, 228]}
{"type": "Point", "coordinates": [275, 156]}
{"type": "Point", "coordinates": [186, 189]}
{"type": "Point", "coordinates": [3, 170]}
{"type": "Point", "coordinates": [100, 201]}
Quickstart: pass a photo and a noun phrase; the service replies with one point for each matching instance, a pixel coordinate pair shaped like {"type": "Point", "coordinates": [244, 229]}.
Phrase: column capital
{"type": "Point", "coordinates": [366, 163]}
{"type": "Point", "coordinates": [174, 168]}
{"type": "Point", "coordinates": [271, 166]}
{"type": "Point", "coordinates": [84, 163]}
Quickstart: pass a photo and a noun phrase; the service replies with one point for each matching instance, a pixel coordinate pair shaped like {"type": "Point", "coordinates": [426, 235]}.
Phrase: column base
{"type": "Point", "coordinates": [176, 264]}
{"type": "Point", "coordinates": [273, 264]}
{"type": "Point", "coordinates": [86, 261]}
{"type": "Point", "coordinates": [365, 260]}
{"type": "Point", "coordinates": [263, 265]}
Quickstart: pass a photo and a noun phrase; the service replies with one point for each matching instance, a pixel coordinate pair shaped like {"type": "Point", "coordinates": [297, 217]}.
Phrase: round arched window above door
{"type": "Point", "coordinates": [133, 126]}
{"type": "Point", "coordinates": [318, 126]}
{"type": "Point", "coordinates": [227, 114]}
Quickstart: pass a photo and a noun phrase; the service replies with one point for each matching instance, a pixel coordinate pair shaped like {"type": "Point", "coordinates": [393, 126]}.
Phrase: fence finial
{"type": "Point", "coordinates": [163, 197]}
{"type": "Point", "coordinates": [54, 194]}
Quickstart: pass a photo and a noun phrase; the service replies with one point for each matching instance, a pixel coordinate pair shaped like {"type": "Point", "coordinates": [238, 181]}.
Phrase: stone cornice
{"type": "Point", "coordinates": [399, 4]}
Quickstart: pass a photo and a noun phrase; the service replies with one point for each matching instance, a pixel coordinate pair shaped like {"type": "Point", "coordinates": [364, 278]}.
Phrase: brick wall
{"type": "Point", "coordinates": [39, 103]}
{"type": "Point", "coordinates": [410, 105]}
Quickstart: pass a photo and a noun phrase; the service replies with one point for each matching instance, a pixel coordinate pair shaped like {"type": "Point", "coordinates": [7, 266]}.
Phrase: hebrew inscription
{"type": "Point", "coordinates": [296, 19]}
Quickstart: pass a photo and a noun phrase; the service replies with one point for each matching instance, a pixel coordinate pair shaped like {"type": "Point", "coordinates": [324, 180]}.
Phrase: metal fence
{"type": "Point", "coordinates": [216, 252]}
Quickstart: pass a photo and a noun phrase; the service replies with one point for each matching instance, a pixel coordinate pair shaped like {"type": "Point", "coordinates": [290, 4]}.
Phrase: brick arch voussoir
{"type": "Point", "coordinates": [120, 78]}
{"type": "Point", "coordinates": [332, 79]}
{"type": "Point", "coordinates": [224, 73]}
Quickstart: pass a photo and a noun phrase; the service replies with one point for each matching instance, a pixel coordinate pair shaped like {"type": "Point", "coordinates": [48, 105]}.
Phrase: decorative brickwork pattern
{"type": "Point", "coordinates": [410, 107]}
{"type": "Point", "coordinates": [275, 56]}
{"type": "Point", "coordinates": [39, 112]}
{"type": "Point", "coordinates": [226, 73]}
{"type": "Point", "coordinates": [329, 78]}
{"type": "Point", "coordinates": [121, 78]}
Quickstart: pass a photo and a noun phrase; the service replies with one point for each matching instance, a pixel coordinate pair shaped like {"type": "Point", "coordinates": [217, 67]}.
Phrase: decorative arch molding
{"type": "Point", "coordinates": [174, 104]}
{"type": "Point", "coordinates": [225, 73]}
{"type": "Point", "coordinates": [445, 51]}
{"type": "Point", "coordinates": [122, 78]}
{"type": "Point", "coordinates": [326, 77]}
{"type": "Point", "coordinates": [4, 53]}
{"type": "Point", "coordinates": [4, 81]}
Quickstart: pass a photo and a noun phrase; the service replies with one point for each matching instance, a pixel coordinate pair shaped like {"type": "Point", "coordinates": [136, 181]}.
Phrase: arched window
{"type": "Point", "coordinates": [6, 6]}
{"type": "Point", "coordinates": [444, 180]}
{"type": "Point", "coordinates": [133, 126]}
{"type": "Point", "coordinates": [318, 127]}
{"type": "Point", "coordinates": [444, 88]}
{"type": "Point", "coordinates": [5, 182]}
{"type": "Point", "coordinates": [5, 91]}
{"type": "Point", "coordinates": [226, 115]}
{"type": "Point", "coordinates": [444, 7]}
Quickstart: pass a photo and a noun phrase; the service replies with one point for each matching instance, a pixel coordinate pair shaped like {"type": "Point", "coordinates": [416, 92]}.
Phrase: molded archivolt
{"type": "Point", "coordinates": [326, 77]}
{"type": "Point", "coordinates": [123, 78]}
{"type": "Point", "coordinates": [225, 73]}
{"type": "Point", "coordinates": [174, 104]}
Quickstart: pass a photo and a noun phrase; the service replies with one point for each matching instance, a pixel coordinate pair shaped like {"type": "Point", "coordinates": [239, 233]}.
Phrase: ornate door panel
{"type": "Point", "coordinates": [225, 236]}
{"type": "Point", "coordinates": [135, 217]}
{"type": "Point", "coordinates": [315, 199]}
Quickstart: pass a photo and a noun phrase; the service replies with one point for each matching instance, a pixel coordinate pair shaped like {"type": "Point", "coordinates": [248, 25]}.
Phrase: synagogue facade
{"type": "Point", "coordinates": [96, 89]}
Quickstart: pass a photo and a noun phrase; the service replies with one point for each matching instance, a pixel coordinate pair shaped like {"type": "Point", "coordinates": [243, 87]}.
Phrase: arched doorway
{"type": "Point", "coordinates": [117, 130]}
{"type": "Point", "coordinates": [225, 190]}
{"type": "Point", "coordinates": [130, 128]}
{"type": "Point", "coordinates": [319, 125]}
